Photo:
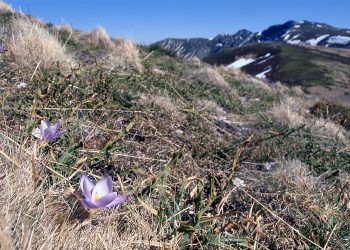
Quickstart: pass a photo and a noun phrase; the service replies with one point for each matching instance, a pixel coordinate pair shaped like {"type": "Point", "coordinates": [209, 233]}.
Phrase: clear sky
{"type": "Point", "coordinates": [151, 20]}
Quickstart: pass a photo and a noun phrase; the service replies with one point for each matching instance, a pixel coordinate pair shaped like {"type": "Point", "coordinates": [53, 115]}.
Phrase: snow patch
{"type": "Point", "coordinates": [262, 75]}
{"type": "Point", "coordinates": [219, 45]}
{"type": "Point", "coordinates": [267, 58]}
{"type": "Point", "coordinates": [319, 25]}
{"type": "Point", "coordinates": [339, 39]}
{"type": "Point", "coordinates": [296, 26]}
{"type": "Point", "coordinates": [294, 41]}
{"type": "Point", "coordinates": [210, 38]}
{"type": "Point", "coordinates": [240, 63]}
{"type": "Point", "coordinates": [315, 41]}
{"type": "Point", "coordinates": [295, 37]}
{"type": "Point", "coordinates": [286, 37]}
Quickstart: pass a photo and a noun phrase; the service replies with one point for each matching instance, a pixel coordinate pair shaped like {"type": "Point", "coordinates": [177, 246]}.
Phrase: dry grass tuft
{"type": "Point", "coordinates": [125, 54]}
{"type": "Point", "coordinates": [99, 36]}
{"type": "Point", "coordinates": [34, 47]}
{"type": "Point", "coordinates": [64, 27]}
{"type": "Point", "coordinates": [208, 74]}
{"type": "Point", "coordinates": [5, 7]}
{"type": "Point", "coordinates": [242, 77]}
{"type": "Point", "coordinates": [295, 174]}
{"type": "Point", "coordinates": [294, 111]}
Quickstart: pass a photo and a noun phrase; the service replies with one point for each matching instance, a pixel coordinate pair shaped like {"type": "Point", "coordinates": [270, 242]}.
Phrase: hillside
{"type": "Point", "coordinates": [210, 158]}
{"type": "Point", "coordinates": [323, 72]}
{"type": "Point", "coordinates": [291, 32]}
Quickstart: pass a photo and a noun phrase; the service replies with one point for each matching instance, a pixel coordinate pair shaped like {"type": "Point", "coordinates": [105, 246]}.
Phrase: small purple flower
{"type": "Point", "coordinates": [99, 195]}
{"type": "Point", "coordinates": [2, 50]}
{"type": "Point", "coordinates": [46, 132]}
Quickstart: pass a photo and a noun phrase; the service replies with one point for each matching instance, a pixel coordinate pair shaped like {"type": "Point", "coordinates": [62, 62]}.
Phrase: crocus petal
{"type": "Point", "coordinates": [86, 186]}
{"type": "Point", "coordinates": [88, 204]}
{"type": "Point", "coordinates": [118, 200]}
{"type": "Point", "coordinates": [58, 134]}
{"type": "Point", "coordinates": [105, 200]}
{"type": "Point", "coordinates": [56, 125]}
{"type": "Point", "coordinates": [48, 134]}
{"type": "Point", "coordinates": [43, 125]}
{"type": "Point", "coordinates": [37, 133]}
{"type": "Point", "coordinates": [103, 187]}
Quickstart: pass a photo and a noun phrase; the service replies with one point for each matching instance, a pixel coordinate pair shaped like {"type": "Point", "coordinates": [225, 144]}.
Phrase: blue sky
{"type": "Point", "coordinates": [152, 20]}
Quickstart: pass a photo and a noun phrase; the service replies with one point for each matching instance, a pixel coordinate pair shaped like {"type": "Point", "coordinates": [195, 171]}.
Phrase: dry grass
{"type": "Point", "coordinates": [125, 54]}
{"type": "Point", "coordinates": [64, 27]}
{"type": "Point", "coordinates": [166, 104]}
{"type": "Point", "coordinates": [5, 7]}
{"type": "Point", "coordinates": [294, 111]}
{"type": "Point", "coordinates": [207, 74]}
{"type": "Point", "coordinates": [304, 202]}
{"type": "Point", "coordinates": [99, 36]}
{"type": "Point", "coordinates": [34, 217]}
{"type": "Point", "coordinates": [241, 77]}
{"type": "Point", "coordinates": [34, 47]}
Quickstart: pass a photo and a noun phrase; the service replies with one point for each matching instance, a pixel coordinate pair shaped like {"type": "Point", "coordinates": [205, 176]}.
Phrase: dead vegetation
{"type": "Point", "coordinates": [207, 74]}
{"type": "Point", "coordinates": [175, 140]}
{"type": "Point", "coordinates": [34, 48]}
{"type": "Point", "coordinates": [100, 37]}
{"type": "Point", "coordinates": [294, 111]}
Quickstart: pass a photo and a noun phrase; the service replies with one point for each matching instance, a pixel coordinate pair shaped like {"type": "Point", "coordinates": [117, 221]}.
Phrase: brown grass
{"type": "Point", "coordinates": [99, 36]}
{"type": "Point", "coordinates": [64, 27]}
{"type": "Point", "coordinates": [34, 47]}
{"type": "Point", "coordinates": [208, 74]}
{"type": "Point", "coordinates": [125, 54]}
{"type": "Point", "coordinates": [294, 111]}
{"type": "Point", "coordinates": [33, 217]}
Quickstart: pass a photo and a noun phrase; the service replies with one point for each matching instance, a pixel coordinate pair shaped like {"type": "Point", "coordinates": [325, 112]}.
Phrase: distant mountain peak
{"type": "Point", "coordinates": [291, 32]}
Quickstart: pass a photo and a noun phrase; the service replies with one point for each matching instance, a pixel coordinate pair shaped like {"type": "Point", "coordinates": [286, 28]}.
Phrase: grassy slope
{"type": "Point", "coordinates": [297, 65]}
{"type": "Point", "coordinates": [174, 157]}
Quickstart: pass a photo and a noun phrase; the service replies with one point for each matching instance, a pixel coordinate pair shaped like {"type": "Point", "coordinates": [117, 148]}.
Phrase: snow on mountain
{"type": "Point", "coordinates": [291, 32]}
{"type": "Point", "coordinates": [262, 75]}
{"type": "Point", "coordinates": [315, 41]}
{"type": "Point", "coordinates": [339, 40]}
{"type": "Point", "coordinates": [240, 63]}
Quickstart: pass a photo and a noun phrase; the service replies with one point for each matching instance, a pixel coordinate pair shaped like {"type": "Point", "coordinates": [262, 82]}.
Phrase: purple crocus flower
{"type": "Point", "coordinates": [1, 48]}
{"type": "Point", "coordinates": [46, 132]}
{"type": "Point", "coordinates": [99, 195]}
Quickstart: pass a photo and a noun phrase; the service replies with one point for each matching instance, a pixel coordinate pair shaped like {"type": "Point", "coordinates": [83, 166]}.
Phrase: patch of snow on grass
{"type": "Point", "coordinates": [315, 41]}
{"type": "Point", "coordinates": [339, 39]}
{"type": "Point", "coordinates": [262, 75]}
{"type": "Point", "coordinates": [267, 58]}
{"type": "Point", "coordinates": [294, 41]}
{"type": "Point", "coordinates": [240, 63]}
{"type": "Point", "coordinates": [296, 26]}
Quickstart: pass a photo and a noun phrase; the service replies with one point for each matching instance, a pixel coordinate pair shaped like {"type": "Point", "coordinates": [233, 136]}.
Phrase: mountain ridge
{"type": "Point", "coordinates": [290, 32]}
